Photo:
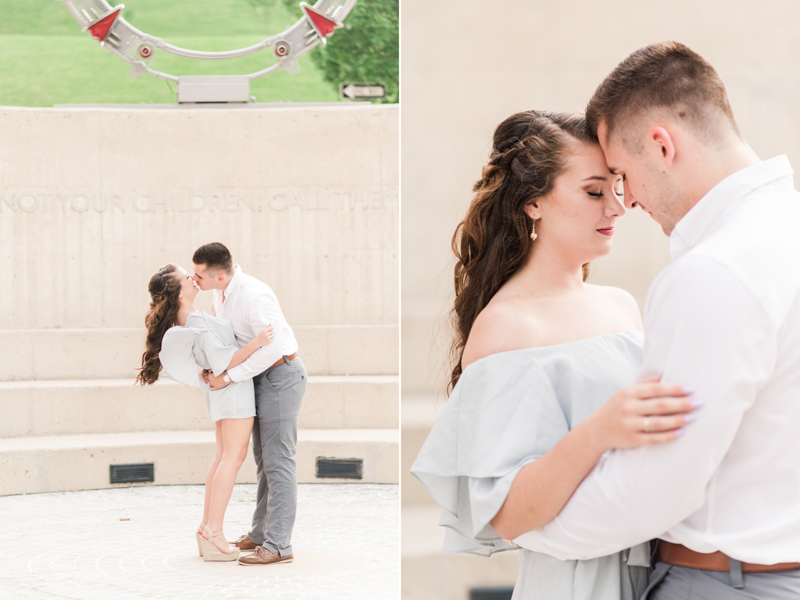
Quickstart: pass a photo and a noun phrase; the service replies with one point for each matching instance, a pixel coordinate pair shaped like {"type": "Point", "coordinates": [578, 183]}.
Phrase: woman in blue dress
{"type": "Point", "coordinates": [183, 340]}
{"type": "Point", "coordinates": [540, 357]}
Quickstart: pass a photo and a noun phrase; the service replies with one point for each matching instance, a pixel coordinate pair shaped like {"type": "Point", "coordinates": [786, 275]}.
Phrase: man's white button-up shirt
{"type": "Point", "coordinates": [250, 305]}
{"type": "Point", "coordinates": [724, 319]}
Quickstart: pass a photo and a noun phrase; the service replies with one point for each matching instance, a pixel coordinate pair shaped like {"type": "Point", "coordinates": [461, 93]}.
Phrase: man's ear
{"type": "Point", "coordinates": [532, 210]}
{"type": "Point", "coordinates": [663, 143]}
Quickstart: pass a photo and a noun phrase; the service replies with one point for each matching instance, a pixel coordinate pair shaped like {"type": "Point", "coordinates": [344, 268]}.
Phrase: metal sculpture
{"type": "Point", "coordinates": [107, 25]}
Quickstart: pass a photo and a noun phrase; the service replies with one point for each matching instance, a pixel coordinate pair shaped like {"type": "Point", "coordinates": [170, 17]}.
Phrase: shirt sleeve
{"type": "Point", "coordinates": [218, 354]}
{"type": "Point", "coordinates": [706, 330]}
{"type": "Point", "coordinates": [263, 310]}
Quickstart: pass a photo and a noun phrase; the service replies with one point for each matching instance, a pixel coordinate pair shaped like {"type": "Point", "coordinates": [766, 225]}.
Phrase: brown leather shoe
{"type": "Point", "coordinates": [262, 556]}
{"type": "Point", "coordinates": [244, 543]}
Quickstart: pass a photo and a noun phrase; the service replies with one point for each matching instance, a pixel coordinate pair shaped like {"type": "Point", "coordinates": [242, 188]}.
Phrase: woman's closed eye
{"type": "Point", "coordinates": [600, 194]}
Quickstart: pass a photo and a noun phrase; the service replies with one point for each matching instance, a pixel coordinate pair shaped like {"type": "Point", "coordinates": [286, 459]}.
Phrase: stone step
{"type": "Point", "coordinates": [426, 345]}
{"type": "Point", "coordinates": [419, 413]}
{"type": "Point", "coordinates": [430, 574]}
{"type": "Point", "coordinates": [41, 408]}
{"type": "Point", "coordinates": [47, 354]}
{"type": "Point", "coordinates": [81, 462]}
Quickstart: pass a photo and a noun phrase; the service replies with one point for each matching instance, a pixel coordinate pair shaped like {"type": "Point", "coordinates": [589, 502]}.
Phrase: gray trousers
{"type": "Point", "coordinates": [279, 392]}
{"type": "Point", "coordinates": [668, 582]}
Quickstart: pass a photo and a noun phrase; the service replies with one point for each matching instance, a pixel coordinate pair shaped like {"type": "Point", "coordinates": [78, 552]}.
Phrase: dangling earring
{"type": "Point", "coordinates": [533, 231]}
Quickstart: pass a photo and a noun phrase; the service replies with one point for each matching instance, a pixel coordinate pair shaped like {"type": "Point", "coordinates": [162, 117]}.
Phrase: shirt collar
{"type": "Point", "coordinates": [707, 215]}
{"type": "Point", "coordinates": [234, 283]}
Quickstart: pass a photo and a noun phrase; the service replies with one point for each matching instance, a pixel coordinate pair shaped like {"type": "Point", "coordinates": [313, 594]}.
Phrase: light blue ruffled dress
{"type": "Point", "coordinates": [209, 343]}
{"type": "Point", "coordinates": [507, 410]}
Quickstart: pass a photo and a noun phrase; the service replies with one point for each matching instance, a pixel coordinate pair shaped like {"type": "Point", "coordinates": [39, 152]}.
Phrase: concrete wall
{"type": "Point", "coordinates": [94, 200]}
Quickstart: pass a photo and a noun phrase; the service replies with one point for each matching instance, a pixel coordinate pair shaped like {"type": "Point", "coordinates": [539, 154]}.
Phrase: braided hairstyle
{"type": "Point", "coordinates": [492, 242]}
{"type": "Point", "coordinates": [164, 288]}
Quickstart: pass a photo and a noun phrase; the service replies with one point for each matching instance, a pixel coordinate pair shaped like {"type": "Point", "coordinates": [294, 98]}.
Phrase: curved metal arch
{"type": "Point", "coordinates": [138, 48]}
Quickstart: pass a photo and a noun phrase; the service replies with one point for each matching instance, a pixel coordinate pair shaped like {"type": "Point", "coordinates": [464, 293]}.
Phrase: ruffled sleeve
{"type": "Point", "coordinates": [217, 341]}
{"type": "Point", "coordinates": [177, 358]}
{"type": "Point", "coordinates": [503, 414]}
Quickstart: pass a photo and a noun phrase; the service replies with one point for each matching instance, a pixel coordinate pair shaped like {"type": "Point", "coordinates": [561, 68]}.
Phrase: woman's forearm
{"type": "Point", "coordinates": [648, 412]}
{"type": "Point", "coordinates": [542, 488]}
{"type": "Point", "coordinates": [243, 353]}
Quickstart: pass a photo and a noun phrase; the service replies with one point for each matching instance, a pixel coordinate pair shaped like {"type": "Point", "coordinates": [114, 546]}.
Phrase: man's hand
{"type": "Point", "coordinates": [216, 383]}
{"type": "Point", "coordinates": [204, 375]}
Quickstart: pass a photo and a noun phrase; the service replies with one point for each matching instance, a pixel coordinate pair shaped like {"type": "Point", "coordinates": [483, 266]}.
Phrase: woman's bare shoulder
{"type": "Point", "coordinates": [502, 326]}
{"type": "Point", "coordinates": [624, 301]}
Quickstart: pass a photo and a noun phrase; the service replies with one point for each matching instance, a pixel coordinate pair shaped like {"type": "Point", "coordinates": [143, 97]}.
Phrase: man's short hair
{"type": "Point", "coordinates": [667, 76]}
{"type": "Point", "coordinates": [215, 256]}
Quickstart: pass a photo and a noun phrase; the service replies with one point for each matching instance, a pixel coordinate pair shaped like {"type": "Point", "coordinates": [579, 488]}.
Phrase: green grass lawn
{"type": "Point", "coordinates": [47, 59]}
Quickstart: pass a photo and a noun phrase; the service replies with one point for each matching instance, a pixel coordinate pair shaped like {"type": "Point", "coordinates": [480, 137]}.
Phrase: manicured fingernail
{"type": "Point", "coordinates": [679, 432]}
{"type": "Point", "coordinates": [688, 390]}
{"type": "Point", "coordinates": [697, 403]}
{"type": "Point", "coordinates": [689, 418]}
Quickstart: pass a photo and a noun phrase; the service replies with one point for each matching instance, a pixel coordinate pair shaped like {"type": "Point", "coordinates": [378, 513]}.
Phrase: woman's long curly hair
{"type": "Point", "coordinates": [492, 242]}
{"type": "Point", "coordinates": [164, 288]}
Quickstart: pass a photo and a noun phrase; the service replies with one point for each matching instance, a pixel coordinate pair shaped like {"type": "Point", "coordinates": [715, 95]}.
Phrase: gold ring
{"type": "Point", "coordinates": [647, 424]}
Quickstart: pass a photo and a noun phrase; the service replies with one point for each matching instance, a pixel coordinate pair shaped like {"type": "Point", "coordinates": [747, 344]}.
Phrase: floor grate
{"type": "Point", "coordinates": [491, 593]}
{"type": "Point", "coordinates": [340, 468]}
{"type": "Point", "coordinates": [134, 473]}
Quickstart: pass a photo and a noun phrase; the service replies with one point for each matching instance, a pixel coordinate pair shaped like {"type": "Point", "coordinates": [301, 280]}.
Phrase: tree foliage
{"type": "Point", "coordinates": [366, 49]}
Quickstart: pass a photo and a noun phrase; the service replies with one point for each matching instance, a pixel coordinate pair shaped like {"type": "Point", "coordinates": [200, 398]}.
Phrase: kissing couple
{"type": "Point", "coordinates": [245, 357]}
{"type": "Point", "coordinates": [624, 465]}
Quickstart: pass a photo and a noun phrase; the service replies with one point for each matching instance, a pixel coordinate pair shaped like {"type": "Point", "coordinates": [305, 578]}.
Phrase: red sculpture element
{"type": "Point", "coordinates": [323, 25]}
{"type": "Point", "coordinates": [102, 26]}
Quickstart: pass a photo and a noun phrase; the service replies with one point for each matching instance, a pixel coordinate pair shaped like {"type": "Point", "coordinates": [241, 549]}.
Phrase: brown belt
{"type": "Point", "coordinates": [282, 360]}
{"type": "Point", "coordinates": [681, 556]}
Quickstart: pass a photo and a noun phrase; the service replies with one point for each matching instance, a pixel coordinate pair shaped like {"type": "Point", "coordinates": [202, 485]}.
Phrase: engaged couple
{"type": "Point", "coordinates": [245, 357]}
{"type": "Point", "coordinates": [626, 465]}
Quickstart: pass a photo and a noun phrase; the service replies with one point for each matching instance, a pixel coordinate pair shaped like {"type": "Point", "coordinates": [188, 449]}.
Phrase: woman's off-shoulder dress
{"type": "Point", "coordinates": [507, 410]}
{"type": "Point", "coordinates": [209, 343]}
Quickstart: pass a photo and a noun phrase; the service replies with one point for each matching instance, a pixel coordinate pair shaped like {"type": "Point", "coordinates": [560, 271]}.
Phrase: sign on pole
{"type": "Point", "coordinates": [362, 91]}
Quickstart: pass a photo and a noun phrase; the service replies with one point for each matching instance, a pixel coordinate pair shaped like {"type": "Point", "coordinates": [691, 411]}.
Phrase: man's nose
{"type": "Point", "coordinates": [630, 199]}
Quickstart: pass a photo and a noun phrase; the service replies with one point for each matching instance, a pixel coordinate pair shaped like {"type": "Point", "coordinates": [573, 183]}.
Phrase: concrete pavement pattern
{"type": "Point", "coordinates": [138, 543]}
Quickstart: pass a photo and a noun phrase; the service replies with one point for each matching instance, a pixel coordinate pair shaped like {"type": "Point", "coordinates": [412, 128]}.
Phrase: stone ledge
{"type": "Point", "coordinates": [419, 414]}
{"type": "Point", "coordinates": [81, 462]}
{"type": "Point", "coordinates": [115, 353]}
{"type": "Point", "coordinates": [68, 407]}
{"type": "Point", "coordinates": [430, 574]}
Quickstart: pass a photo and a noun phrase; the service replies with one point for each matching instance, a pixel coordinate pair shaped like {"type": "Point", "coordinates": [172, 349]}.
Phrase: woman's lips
{"type": "Point", "coordinates": [606, 231]}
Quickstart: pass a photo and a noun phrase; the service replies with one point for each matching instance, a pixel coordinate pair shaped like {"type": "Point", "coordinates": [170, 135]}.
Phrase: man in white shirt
{"type": "Point", "coordinates": [723, 319]}
{"type": "Point", "coordinates": [279, 379]}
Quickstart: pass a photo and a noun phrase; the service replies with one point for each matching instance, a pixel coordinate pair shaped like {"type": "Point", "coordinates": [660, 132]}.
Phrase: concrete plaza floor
{"type": "Point", "coordinates": [138, 542]}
